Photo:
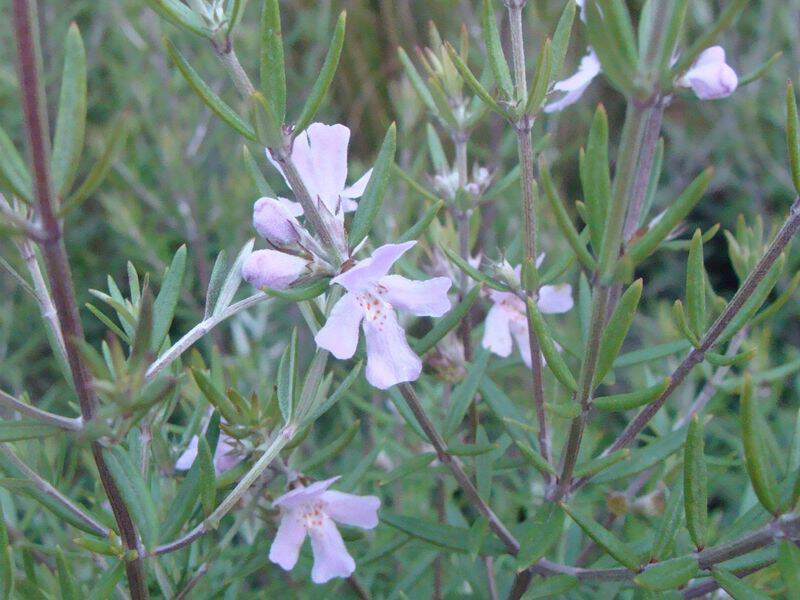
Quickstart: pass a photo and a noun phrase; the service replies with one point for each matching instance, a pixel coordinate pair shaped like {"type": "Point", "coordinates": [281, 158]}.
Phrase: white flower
{"type": "Point", "coordinates": [575, 85]}
{"type": "Point", "coordinates": [313, 511]}
{"type": "Point", "coordinates": [507, 319]}
{"type": "Point", "coordinates": [272, 269]}
{"type": "Point", "coordinates": [371, 298]}
{"type": "Point", "coordinates": [710, 77]}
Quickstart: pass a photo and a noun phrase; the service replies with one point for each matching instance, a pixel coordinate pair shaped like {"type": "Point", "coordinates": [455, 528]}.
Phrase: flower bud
{"type": "Point", "coordinates": [273, 269]}
{"type": "Point", "coordinates": [274, 219]}
{"type": "Point", "coordinates": [710, 77]}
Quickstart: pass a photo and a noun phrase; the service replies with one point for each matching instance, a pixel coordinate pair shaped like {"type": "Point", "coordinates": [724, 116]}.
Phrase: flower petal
{"type": "Point", "coordinates": [186, 459]}
{"type": "Point", "coordinates": [274, 221]}
{"type": "Point", "coordinates": [357, 189]}
{"type": "Point", "coordinates": [320, 155]}
{"type": "Point", "coordinates": [226, 455]}
{"type": "Point", "coordinates": [331, 558]}
{"type": "Point", "coordinates": [350, 509]}
{"type": "Point", "coordinates": [390, 360]}
{"type": "Point", "coordinates": [555, 298]}
{"type": "Point", "coordinates": [520, 333]}
{"type": "Point", "coordinates": [710, 77]}
{"type": "Point", "coordinates": [271, 268]}
{"type": "Point", "coordinates": [422, 298]}
{"type": "Point", "coordinates": [287, 543]}
{"type": "Point", "coordinates": [575, 85]}
{"type": "Point", "coordinates": [302, 495]}
{"type": "Point", "coordinates": [374, 267]}
{"type": "Point", "coordinates": [497, 331]}
{"type": "Point", "coordinates": [340, 333]}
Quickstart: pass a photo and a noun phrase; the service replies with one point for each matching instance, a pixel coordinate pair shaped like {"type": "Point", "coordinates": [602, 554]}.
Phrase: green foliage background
{"type": "Point", "coordinates": [180, 178]}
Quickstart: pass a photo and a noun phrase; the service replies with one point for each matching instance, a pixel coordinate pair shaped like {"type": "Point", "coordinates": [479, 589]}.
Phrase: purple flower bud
{"type": "Point", "coordinates": [274, 219]}
{"type": "Point", "coordinates": [272, 269]}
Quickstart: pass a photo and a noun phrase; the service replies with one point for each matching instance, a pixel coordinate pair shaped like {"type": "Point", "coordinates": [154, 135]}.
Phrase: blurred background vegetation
{"type": "Point", "coordinates": [179, 178]}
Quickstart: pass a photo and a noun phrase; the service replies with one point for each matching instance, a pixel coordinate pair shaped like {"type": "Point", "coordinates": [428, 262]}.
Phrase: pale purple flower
{"type": "Point", "coordinates": [314, 511]}
{"type": "Point", "coordinates": [710, 77]}
{"type": "Point", "coordinates": [507, 321]}
{"type": "Point", "coordinates": [225, 455]}
{"type": "Point", "coordinates": [273, 269]}
{"type": "Point", "coordinates": [275, 220]}
{"type": "Point", "coordinates": [574, 86]}
{"type": "Point", "coordinates": [371, 298]}
{"type": "Point", "coordinates": [582, 6]}
{"type": "Point", "coordinates": [320, 156]}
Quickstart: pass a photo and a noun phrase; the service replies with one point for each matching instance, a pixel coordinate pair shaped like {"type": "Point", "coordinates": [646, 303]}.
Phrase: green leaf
{"type": "Point", "coordinates": [370, 203]}
{"type": "Point", "coordinates": [645, 457]}
{"type": "Point", "coordinates": [668, 575]}
{"type": "Point", "coordinates": [421, 226]}
{"type": "Point", "coordinates": [682, 323]}
{"type": "Point", "coordinates": [540, 84]}
{"type": "Point", "coordinates": [215, 397]}
{"type": "Point", "coordinates": [301, 292]}
{"type": "Point", "coordinates": [286, 379]}
{"type": "Point", "coordinates": [25, 429]}
{"type": "Point", "coordinates": [215, 283]}
{"type": "Point", "coordinates": [646, 355]}
{"type": "Point", "coordinates": [561, 37]}
{"type": "Point", "coordinates": [677, 211]}
{"type": "Point", "coordinates": [103, 587]}
{"type": "Point", "coordinates": [66, 580]}
{"type": "Point", "coordinates": [494, 50]}
{"type": "Point", "coordinates": [208, 478]}
{"type": "Point", "coordinates": [144, 329]}
{"type": "Point", "coordinates": [100, 169]}
{"type": "Point", "coordinates": [207, 95]}
{"type": "Point", "coordinates": [416, 81]}
{"type": "Point", "coordinates": [256, 175]}
{"type": "Point", "coordinates": [444, 536]}
{"type": "Point", "coordinates": [779, 302]}
{"type": "Point", "coordinates": [596, 178]}
{"type": "Point", "coordinates": [604, 538]}
{"type": "Point", "coordinates": [6, 562]}
{"type": "Point", "coordinates": [793, 135]}
{"type": "Point", "coordinates": [319, 409]}
{"type": "Point", "coordinates": [324, 78]}
{"type": "Point", "coordinates": [269, 132]}
{"type": "Point", "coordinates": [617, 329]}
{"type": "Point", "coordinates": [181, 15]}
{"type": "Point", "coordinates": [620, 28]}
{"type": "Point", "coordinates": [472, 271]}
{"type": "Point", "coordinates": [475, 85]}
{"type": "Point", "coordinates": [563, 219]}
{"type": "Point", "coordinates": [616, 65]}
{"type": "Point", "coordinates": [134, 491]}
{"type": "Point", "coordinates": [756, 456]}
{"type": "Point", "coordinates": [535, 458]}
{"type": "Point", "coordinates": [789, 565]}
{"type": "Point", "coordinates": [13, 172]}
{"type": "Point", "coordinates": [553, 586]}
{"type": "Point", "coordinates": [548, 347]}
{"type": "Point", "coordinates": [71, 120]}
{"type": "Point", "coordinates": [737, 588]}
{"type": "Point", "coordinates": [696, 285]}
{"type": "Point", "coordinates": [620, 402]}
{"type": "Point", "coordinates": [465, 392]}
{"type": "Point", "coordinates": [695, 484]}
{"type": "Point", "coordinates": [668, 527]}
{"type": "Point", "coordinates": [167, 300]}
{"type": "Point", "coordinates": [273, 75]}
{"type": "Point", "coordinates": [601, 463]}
{"type": "Point", "coordinates": [233, 280]}
{"type": "Point", "coordinates": [539, 533]}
